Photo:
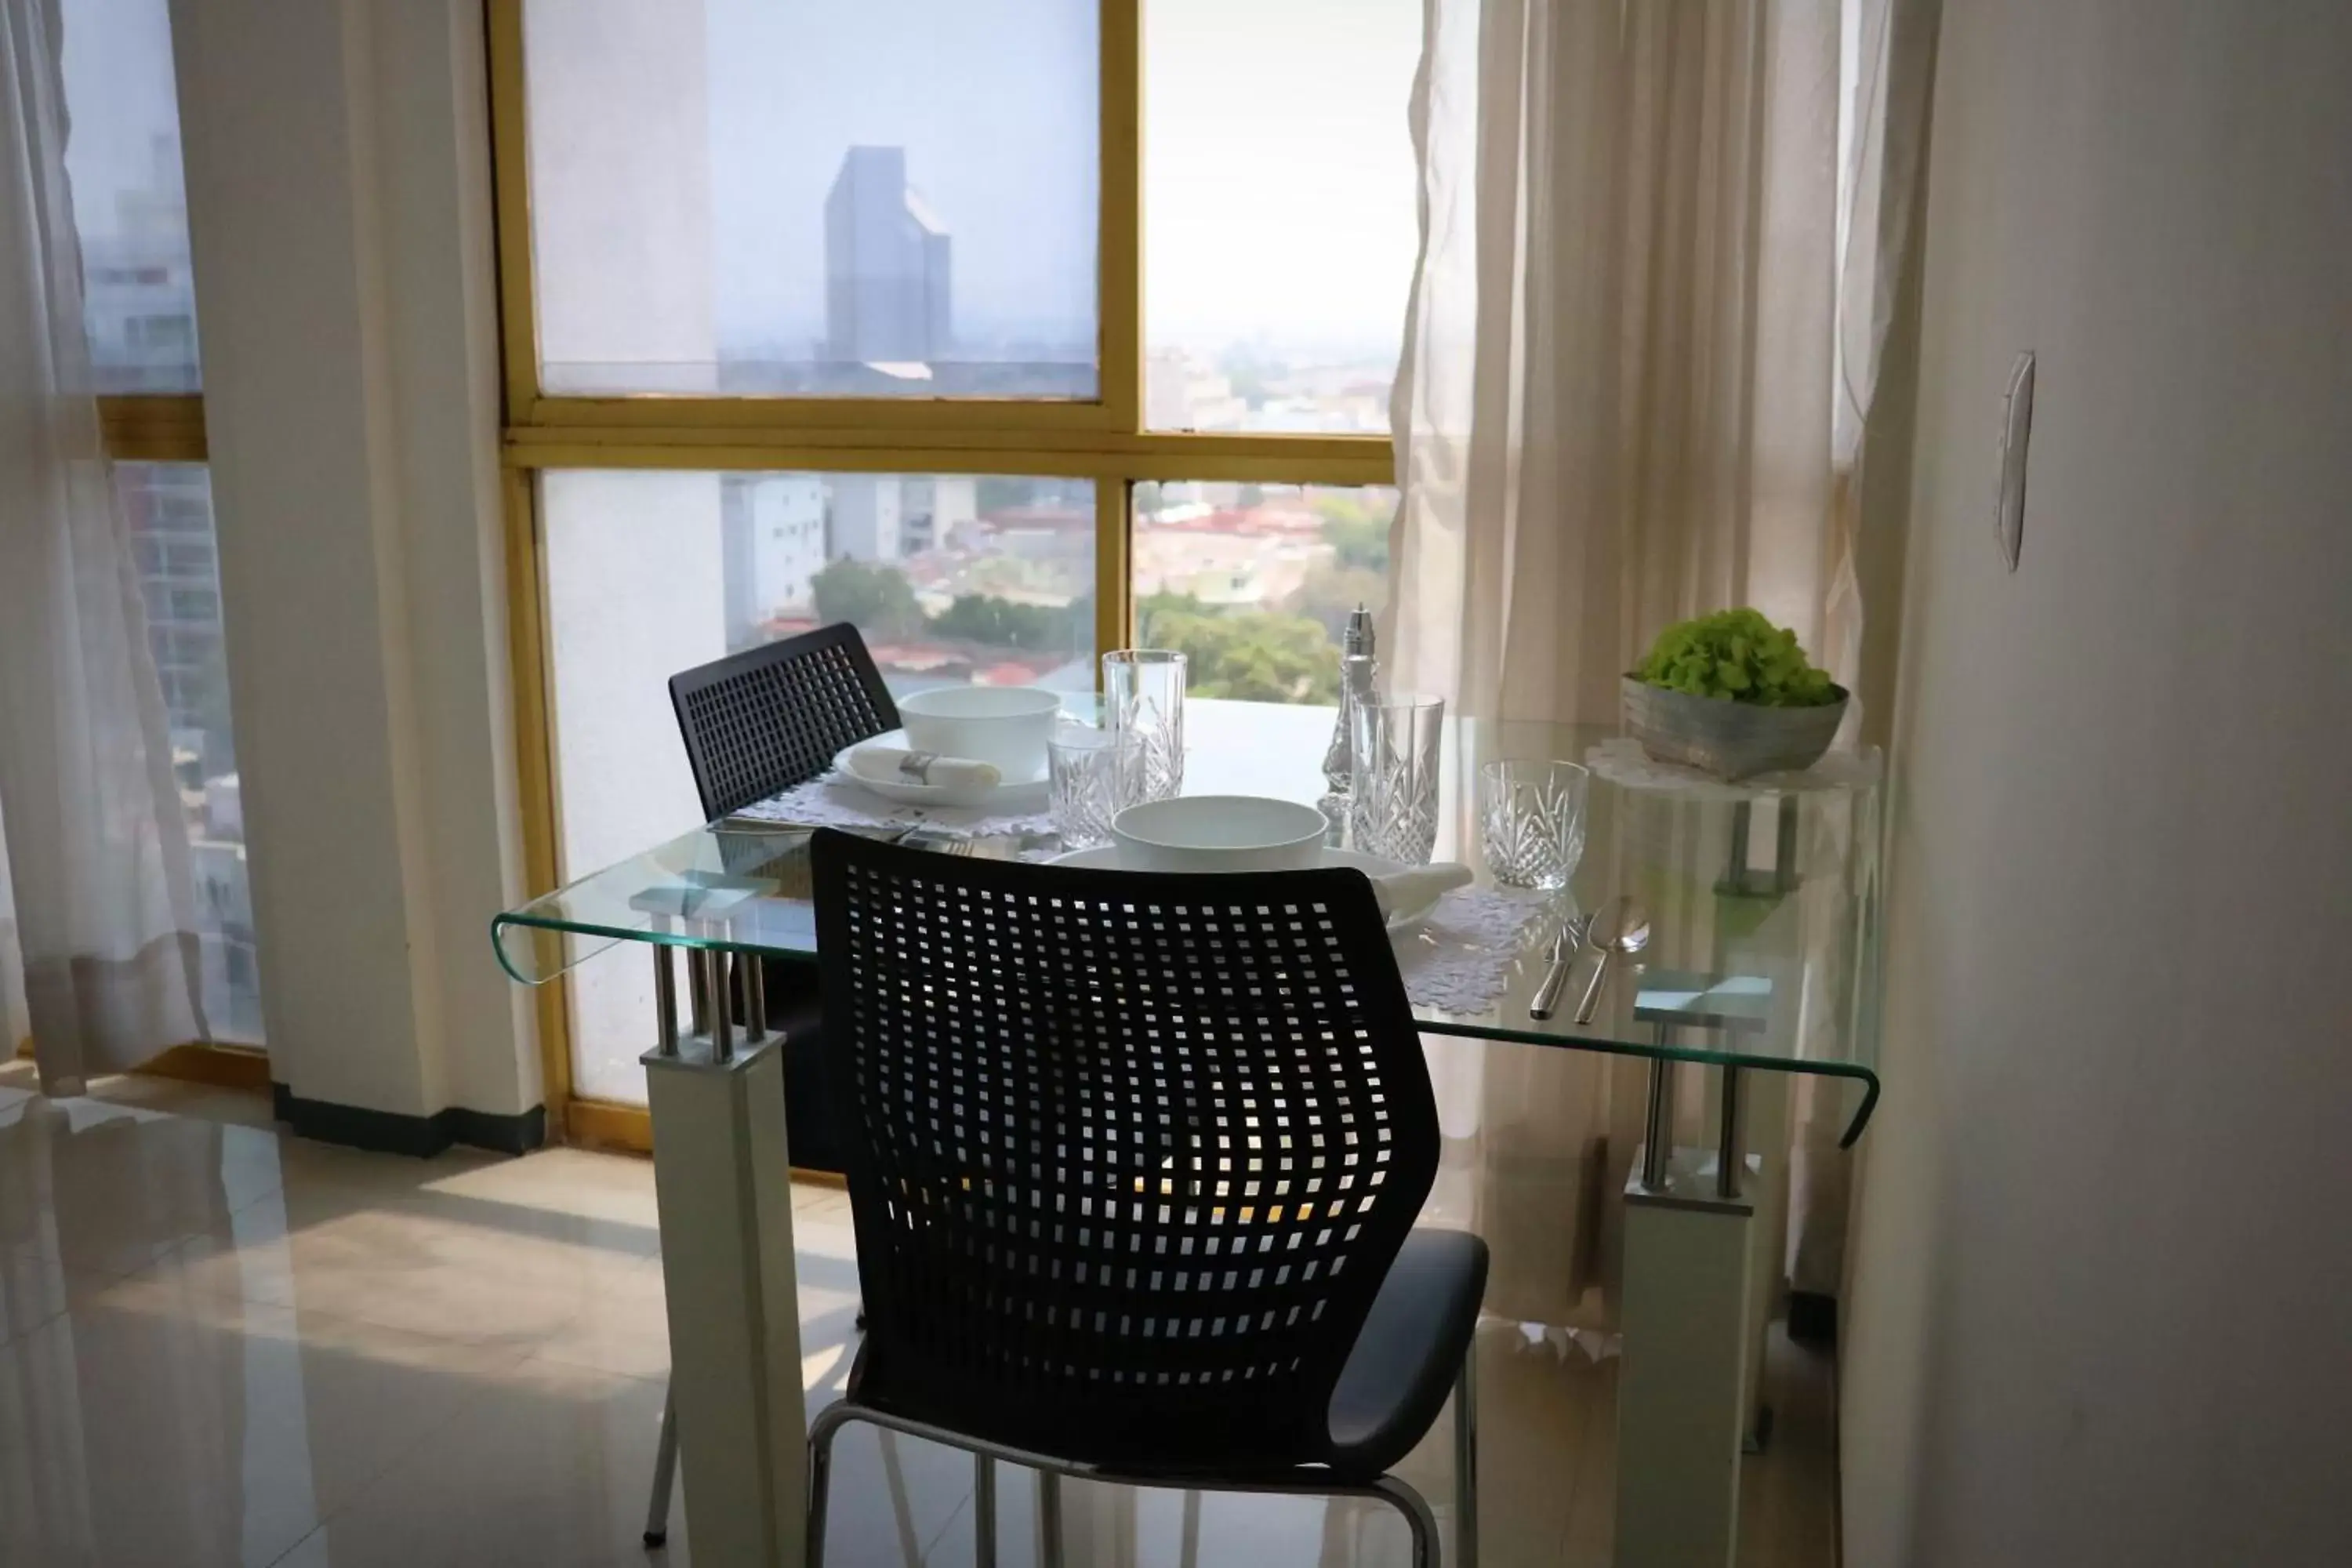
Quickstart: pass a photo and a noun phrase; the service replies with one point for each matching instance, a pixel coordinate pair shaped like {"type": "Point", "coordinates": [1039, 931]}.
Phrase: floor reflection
{"type": "Point", "coordinates": [219, 1345]}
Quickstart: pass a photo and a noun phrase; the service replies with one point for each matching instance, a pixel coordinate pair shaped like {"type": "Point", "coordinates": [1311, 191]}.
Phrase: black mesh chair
{"type": "Point", "coordinates": [771, 717]}
{"type": "Point", "coordinates": [1134, 1170]}
{"type": "Point", "coordinates": [757, 722]}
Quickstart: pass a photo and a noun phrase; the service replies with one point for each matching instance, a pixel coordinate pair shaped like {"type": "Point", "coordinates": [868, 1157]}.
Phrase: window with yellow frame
{"type": "Point", "coordinates": [1012, 332]}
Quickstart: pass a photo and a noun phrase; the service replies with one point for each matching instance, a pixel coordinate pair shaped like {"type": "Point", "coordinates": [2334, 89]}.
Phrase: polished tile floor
{"type": "Point", "coordinates": [223, 1345]}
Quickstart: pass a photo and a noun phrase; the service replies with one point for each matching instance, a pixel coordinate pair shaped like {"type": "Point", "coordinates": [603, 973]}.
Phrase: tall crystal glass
{"type": "Point", "coordinates": [1143, 695]}
{"type": "Point", "coordinates": [1393, 787]}
{"type": "Point", "coordinates": [1531, 822]}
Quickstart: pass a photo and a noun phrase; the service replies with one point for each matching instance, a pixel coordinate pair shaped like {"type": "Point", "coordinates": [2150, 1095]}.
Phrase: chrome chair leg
{"type": "Point", "coordinates": [1049, 1520]}
{"type": "Point", "coordinates": [830, 1420]}
{"type": "Point", "coordinates": [894, 1481]}
{"type": "Point", "coordinates": [1466, 1459]}
{"type": "Point", "coordinates": [983, 1510]}
{"type": "Point", "coordinates": [665, 1473]}
{"type": "Point", "coordinates": [1417, 1517]}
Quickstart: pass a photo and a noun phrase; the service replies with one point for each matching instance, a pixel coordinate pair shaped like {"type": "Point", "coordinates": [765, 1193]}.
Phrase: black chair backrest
{"type": "Point", "coordinates": [774, 716]}
{"type": "Point", "coordinates": [1129, 1154]}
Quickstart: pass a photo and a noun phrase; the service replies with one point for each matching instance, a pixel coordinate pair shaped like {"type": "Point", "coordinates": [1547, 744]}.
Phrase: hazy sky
{"type": "Point", "coordinates": [1278, 173]}
{"type": "Point", "coordinates": [121, 97]}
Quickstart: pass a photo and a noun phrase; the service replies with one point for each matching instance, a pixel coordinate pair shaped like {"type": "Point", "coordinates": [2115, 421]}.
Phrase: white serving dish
{"type": "Point", "coordinates": [1220, 833]}
{"type": "Point", "coordinates": [1399, 922]}
{"type": "Point", "coordinates": [1018, 791]}
{"type": "Point", "coordinates": [1006, 725]}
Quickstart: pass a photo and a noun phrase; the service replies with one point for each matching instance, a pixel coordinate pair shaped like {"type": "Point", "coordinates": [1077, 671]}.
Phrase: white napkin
{"type": "Point", "coordinates": [896, 765]}
{"type": "Point", "coordinates": [1402, 891]}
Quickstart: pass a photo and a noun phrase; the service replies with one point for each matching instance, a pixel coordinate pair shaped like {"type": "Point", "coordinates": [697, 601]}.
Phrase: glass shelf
{"type": "Point", "coordinates": [1763, 897]}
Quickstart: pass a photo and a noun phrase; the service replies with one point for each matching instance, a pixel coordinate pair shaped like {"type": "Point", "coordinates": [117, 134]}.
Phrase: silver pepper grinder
{"type": "Point", "coordinates": [1358, 668]}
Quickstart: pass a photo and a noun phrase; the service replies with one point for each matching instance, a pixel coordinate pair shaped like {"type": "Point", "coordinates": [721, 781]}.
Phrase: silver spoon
{"type": "Point", "coordinates": [1625, 931]}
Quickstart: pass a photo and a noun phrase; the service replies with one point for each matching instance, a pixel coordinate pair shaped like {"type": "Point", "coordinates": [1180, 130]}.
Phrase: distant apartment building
{"type": "Point", "coordinates": [1234, 558]}
{"type": "Point", "coordinates": [167, 511]}
{"type": "Point", "coordinates": [1180, 392]}
{"type": "Point", "coordinates": [869, 512]}
{"type": "Point", "coordinates": [771, 528]}
{"type": "Point", "coordinates": [939, 513]}
{"type": "Point", "coordinates": [139, 300]}
{"type": "Point", "coordinates": [886, 267]}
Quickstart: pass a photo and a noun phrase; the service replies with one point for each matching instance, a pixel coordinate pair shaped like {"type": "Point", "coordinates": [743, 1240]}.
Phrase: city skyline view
{"type": "Point", "coordinates": [1278, 200]}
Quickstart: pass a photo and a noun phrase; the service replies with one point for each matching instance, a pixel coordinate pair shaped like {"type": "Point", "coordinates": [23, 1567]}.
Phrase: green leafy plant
{"type": "Point", "coordinates": [1740, 656]}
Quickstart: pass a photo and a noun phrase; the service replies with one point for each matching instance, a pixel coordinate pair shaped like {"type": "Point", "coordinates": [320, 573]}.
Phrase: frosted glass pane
{"type": "Point", "coordinates": [1279, 218]}
{"type": "Point", "coordinates": [890, 198]}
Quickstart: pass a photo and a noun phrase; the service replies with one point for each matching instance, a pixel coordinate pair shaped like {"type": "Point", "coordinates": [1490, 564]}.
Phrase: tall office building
{"type": "Point", "coordinates": [885, 266]}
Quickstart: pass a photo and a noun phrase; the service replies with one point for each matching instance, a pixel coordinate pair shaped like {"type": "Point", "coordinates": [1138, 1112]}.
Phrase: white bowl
{"type": "Point", "coordinates": [1006, 725]}
{"type": "Point", "coordinates": [1219, 833]}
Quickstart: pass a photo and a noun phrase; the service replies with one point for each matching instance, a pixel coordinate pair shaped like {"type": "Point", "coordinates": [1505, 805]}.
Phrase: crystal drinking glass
{"type": "Point", "coordinates": [1094, 776]}
{"type": "Point", "coordinates": [1143, 695]}
{"type": "Point", "coordinates": [1393, 745]}
{"type": "Point", "coordinates": [1531, 822]}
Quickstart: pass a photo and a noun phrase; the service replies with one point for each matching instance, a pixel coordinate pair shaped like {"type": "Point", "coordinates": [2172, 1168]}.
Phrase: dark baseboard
{"type": "Point", "coordinates": [1813, 1317]}
{"type": "Point", "coordinates": [390, 1132]}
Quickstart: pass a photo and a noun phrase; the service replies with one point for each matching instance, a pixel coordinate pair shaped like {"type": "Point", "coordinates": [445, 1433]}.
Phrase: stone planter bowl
{"type": "Point", "coordinates": [1730, 740]}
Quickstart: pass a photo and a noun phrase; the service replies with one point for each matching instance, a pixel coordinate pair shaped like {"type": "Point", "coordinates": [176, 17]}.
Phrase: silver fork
{"type": "Point", "coordinates": [1564, 948]}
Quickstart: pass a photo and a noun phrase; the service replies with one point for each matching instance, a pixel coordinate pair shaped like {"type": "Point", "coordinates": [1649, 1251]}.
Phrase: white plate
{"type": "Point", "coordinates": [1013, 794]}
{"type": "Point", "coordinates": [1106, 859]}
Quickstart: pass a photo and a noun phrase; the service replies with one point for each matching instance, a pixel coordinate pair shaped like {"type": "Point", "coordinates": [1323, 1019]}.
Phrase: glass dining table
{"type": "Point", "coordinates": [1758, 975]}
{"type": "Point", "coordinates": [1749, 938]}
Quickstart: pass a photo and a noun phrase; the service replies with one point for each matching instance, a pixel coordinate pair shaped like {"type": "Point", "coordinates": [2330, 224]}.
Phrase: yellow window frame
{"type": "Point", "coordinates": [1104, 439]}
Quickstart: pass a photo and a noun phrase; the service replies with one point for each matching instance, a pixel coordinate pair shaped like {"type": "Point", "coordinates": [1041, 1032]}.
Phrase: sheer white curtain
{"type": "Point", "coordinates": [97, 846]}
{"type": "Point", "coordinates": [1621, 402]}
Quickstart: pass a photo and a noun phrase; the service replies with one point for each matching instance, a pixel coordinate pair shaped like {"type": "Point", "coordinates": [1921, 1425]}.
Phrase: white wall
{"type": "Point", "coordinates": [2102, 1306]}
{"type": "Point", "coordinates": [338, 177]}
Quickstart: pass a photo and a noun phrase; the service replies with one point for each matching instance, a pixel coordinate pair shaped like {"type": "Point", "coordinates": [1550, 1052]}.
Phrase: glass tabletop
{"type": "Point", "coordinates": [1762, 898]}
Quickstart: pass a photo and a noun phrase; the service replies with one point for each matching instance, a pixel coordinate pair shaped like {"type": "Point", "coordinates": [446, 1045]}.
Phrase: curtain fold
{"type": "Point", "coordinates": [98, 845]}
{"type": "Point", "coordinates": [1638, 363]}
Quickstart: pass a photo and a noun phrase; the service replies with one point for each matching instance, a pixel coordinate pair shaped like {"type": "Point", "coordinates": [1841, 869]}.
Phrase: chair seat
{"type": "Point", "coordinates": [1402, 1366]}
{"type": "Point", "coordinates": [1389, 1391]}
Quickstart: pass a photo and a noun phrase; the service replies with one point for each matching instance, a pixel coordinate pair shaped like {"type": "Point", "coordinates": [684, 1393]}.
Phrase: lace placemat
{"type": "Point", "coordinates": [1461, 958]}
{"type": "Point", "coordinates": [833, 801]}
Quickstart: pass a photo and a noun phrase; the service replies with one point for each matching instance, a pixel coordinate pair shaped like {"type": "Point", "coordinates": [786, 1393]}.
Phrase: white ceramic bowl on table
{"type": "Point", "coordinates": [1219, 833]}
{"type": "Point", "coordinates": [1006, 725]}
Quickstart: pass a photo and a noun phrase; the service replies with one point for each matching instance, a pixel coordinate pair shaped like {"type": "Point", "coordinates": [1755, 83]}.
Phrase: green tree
{"type": "Point", "coordinates": [1003, 623]}
{"type": "Point", "coordinates": [879, 599]}
{"type": "Point", "coordinates": [1333, 589]}
{"type": "Point", "coordinates": [1252, 655]}
{"type": "Point", "coordinates": [1150, 608]}
{"type": "Point", "coordinates": [1357, 535]}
